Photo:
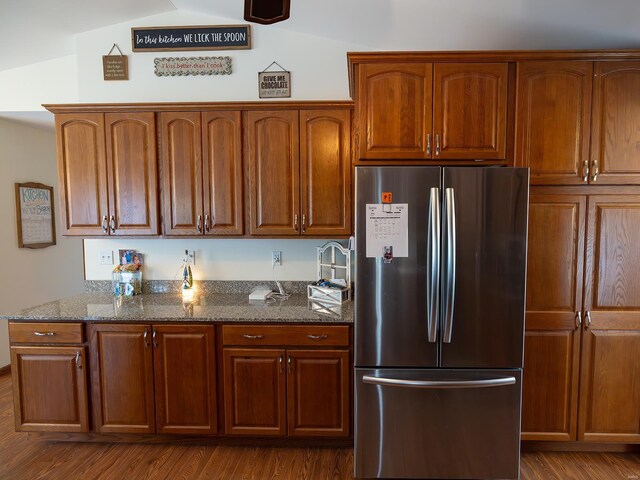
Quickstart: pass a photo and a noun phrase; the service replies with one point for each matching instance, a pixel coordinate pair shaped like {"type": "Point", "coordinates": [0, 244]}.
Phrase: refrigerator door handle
{"type": "Point", "coordinates": [433, 268]}
{"type": "Point", "coordinates": [450, 268]}
{"type": "Point", "coordinates": [441, 384]}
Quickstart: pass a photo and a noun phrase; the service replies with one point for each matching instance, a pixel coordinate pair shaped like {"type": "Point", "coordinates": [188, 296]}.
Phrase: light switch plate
{"type": "Point", "coordinates": [106, 257]}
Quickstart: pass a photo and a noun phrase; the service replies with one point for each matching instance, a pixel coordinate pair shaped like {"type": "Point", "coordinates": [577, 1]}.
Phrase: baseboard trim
{"type": "Point", "coordinates": [5, 370]}
{"type": "Point", "coordinates": [542, 446]}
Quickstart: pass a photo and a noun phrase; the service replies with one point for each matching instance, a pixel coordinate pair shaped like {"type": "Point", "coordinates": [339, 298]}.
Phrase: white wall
{"type": "Point", "coordinates": [30, 277]}
{"type": "Point", "coordinates": [216, 259]}
{"type": "Point", "coordinates": [318, 65]}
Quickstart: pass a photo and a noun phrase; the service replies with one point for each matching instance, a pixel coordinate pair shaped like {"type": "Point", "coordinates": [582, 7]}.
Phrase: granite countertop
{"type": "Point", "coordinates": [170, 307]}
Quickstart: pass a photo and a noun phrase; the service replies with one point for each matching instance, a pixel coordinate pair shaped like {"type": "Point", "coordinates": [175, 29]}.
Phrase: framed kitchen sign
{"type": "Point", "coordinates": [36, 218]}
{"type": "Point", "coordinates": [205, 37]}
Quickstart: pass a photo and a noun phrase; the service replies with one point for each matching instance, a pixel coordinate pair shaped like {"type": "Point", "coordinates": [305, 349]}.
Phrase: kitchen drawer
{"type": "Point", "coordinates": [45, 332]}
{"type": "Point", "coordinates": [283, 335]}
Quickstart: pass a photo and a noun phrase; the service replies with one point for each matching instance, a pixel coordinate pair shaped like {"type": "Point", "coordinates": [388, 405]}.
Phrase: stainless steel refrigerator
{"type": "Point", "coordinates": [439, 321]}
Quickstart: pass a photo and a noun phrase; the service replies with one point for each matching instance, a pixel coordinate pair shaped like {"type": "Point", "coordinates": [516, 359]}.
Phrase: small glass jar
{"type": "Point", "coordinates": [127, 283]}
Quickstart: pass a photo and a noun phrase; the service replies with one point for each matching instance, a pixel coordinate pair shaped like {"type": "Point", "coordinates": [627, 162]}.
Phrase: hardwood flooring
{"type": "Point", "coordinates": [22, 458]}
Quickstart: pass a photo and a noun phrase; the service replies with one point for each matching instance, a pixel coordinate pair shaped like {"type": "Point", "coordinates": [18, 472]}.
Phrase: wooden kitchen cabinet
{"type": "Point", "coordinates": [615, 128]}
{"type": "Point", "coordinates": [50, 389]}
{"type": "Point", "coordinates": [149, 379]}
{"type": "Point", "coordinates": [318, 392]}
{"type": "Point", "coordinates": [325, 172]}
{"type": "Point", "coordinates": [553, 308]}
{"type": "Point", "coordinates": [394, 109]}
{"type": "Point", "coordinates": [255, 396]}
{"type": "Point", "coordinates": [185, 379]}
{"type": "Point", "coordinates": [273, 163]}
{"type": "Point", "coordinates": [299, 167]}
{"type": "Point", "coordinates": [289, 388]}
{"type": "Point", "coordinates": [553, 115]}
{"type": "Point", "coordinates": [610, 374]}
{"type": "Point", "coordinates": [421, 111]}
{"type": "Point", "coordinates": [122, 378]}
{"type": "Point", "coordinates": [107, 172]}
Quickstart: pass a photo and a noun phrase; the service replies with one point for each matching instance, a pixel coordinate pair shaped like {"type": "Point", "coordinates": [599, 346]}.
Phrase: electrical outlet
{"type": "Point", "coordinates": [106, 257]}
{"type": "Point", "coordinates": [191, 255]}
{"type": "Point", "coordinates": [276, 259]}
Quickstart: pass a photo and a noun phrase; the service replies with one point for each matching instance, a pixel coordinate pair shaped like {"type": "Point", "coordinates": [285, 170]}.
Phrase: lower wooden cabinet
{"type": "Point", "coordinates": [277, 392]}
{"type": "Point", "coordinates": [50, 389]}
{"type": "Point", "coordinates": [149, 379]}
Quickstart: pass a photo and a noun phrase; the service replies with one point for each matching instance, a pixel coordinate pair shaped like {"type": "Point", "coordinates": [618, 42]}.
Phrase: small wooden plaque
{"type": "Point", "coordinates": [115, 67]}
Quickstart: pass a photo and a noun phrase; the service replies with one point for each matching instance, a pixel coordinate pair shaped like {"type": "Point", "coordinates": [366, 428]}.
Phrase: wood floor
{"type": "Point", "coordinates": [22, 458]}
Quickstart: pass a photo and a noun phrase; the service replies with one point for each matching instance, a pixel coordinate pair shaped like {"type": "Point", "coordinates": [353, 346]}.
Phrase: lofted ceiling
{"type": "Point", "coordinates": [37, 30]}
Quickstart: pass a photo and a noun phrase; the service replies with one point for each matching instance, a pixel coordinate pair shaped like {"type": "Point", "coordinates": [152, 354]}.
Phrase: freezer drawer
{"type": "Point", "coordinates": [437, 424]}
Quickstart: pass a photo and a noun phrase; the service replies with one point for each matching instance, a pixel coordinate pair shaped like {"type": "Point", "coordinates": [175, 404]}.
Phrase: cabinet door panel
{"type": "Point", "coordinates": [122, 378]}
{"type": "Point", "coordinates": [185, 379]}
{"type": "Point", "coordinates": [318, 392]}
{"type": "Point", "coordinates": [274, 172]}
{"type": "Point", "coordinates": [395, 111]}
{"type": "Point", "coordinates": [615, 136]}
{"type": "Point", "coordinates": [610, 374]}
{"type": "Point", "coordinates": [132, 173]}
{"type": "Point", "coordinates": [554, 296]}
{"type": "Point", "coordinates": [222, 170]}
{"type": "Point", "coordinates": [50, 389]}
{"type": "Point", "coordinates": [470, 110]}
{"type": "Point", "coordinates": [325, 169]}
{"type": "Point", "coordinates": [181, 172]}
{"type": "Point", "coordinates": [82, 173]}
{"type": "Point", "coordinates": [553, 119]}
{"type": "Point", "coordinates": [255, 392]}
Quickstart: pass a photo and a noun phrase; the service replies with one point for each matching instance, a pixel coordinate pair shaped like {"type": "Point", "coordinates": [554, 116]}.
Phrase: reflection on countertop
{"type": "Point", "coordinates": [172, 307]}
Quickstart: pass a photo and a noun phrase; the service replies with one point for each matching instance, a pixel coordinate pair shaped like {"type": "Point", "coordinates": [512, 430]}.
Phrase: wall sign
{"type": "Point", "coordinates": [36, 219]}
{"type": "Point", "coordinates": [183, 66]}
{"type": "Point", "coordinates": [274, 84]}
{"type": "Point", "coordinates": [211, 37]}
{"type": "Point", "coordinates": [115, 67]}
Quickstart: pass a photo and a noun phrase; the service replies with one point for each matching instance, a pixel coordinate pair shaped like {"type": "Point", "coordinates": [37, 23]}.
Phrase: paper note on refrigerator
{"type": "Point", "coordinates": [387, 226]}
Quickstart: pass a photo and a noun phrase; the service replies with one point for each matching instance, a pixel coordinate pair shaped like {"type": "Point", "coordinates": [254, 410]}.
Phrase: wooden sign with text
{"type": "Point", "coordinates": [115, 67]}
{"type": "Point", "coordinates": [35, 215]}
{"type": "Point", "coordinates": [211, 37]}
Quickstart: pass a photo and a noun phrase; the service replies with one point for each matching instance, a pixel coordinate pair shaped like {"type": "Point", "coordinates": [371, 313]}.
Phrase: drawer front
{"type": "Point", "coordinates": [45, 333]}
{"type": "Point", "coordinates": [294, 335]}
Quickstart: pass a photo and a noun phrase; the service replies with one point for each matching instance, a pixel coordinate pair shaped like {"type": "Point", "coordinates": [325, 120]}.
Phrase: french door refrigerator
{"type": "Point", "coordinates": [439, 321]}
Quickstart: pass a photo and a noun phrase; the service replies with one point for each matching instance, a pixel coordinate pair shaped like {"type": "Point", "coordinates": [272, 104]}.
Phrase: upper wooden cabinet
{"type": "Point", "coordinates": [107, 172]}
{"type": "Point", "coordinates": [421, 111]}
{"type": "Point", "coordinates": [615, 137]}
{"type": "Point", "coordinates": [553, 120]}
{"type": "Point", "coordinates": [578, 122]}
{"type": "Point", "coordinates": [299, 170]}
{"type": "Point", "coordinates": [202, 173]}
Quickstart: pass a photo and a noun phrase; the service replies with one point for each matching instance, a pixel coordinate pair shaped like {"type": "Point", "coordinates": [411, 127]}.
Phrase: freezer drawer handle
{"type": "Point", "coordinates": [433, 270]}
{"type": "Point", "coordinates": [450, 268]}
{"type": "Point", "coordinates": [442, 384]}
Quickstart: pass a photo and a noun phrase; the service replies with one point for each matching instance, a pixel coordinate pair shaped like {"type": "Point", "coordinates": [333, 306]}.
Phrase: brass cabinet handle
{"type": "Point", "coordinates": [78, 360]}
{"type": "Point", "coordinates": [44, 334]}
{"type": "Point", "coordinates": [585, 171]}
{"type": "Point", "coordinates": [206, 223]}
{"type": "Point", "coordinates": [295, 221]}
{"type": "Point", "coordinates": [304, 223]}
{"type": "Point", "coordinates": [289, 364]}
{"type": "Point", "coordinates": [437, 145]}
{"type": "Point", "coordinates": [317, 337]}
{"type": "Point", "coordinates": [594, 170]}
{"type": "Point", "coordinates": [146, 338]}
{"type": "Point", "coordinates": [112, 223]}
{"type": "Point", "coordinates": [578, 320]}
{"type": "Point", "coordinates": [587, 319]}
{"type": "Point", "coordinates": [155, 342]}
{"type": "Point", "coordinates": [105, 227]}
{"type": "Point", "coordinates": [199, 224]}
{"type": "Point", "coordinates": [429, 144]}
{"type": "Point", "coordinates": [252, 337]}
{"type": "Point", "coordinates": [280, 363]}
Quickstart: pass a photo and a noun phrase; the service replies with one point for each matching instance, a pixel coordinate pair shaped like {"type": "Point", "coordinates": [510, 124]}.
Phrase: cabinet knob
{"type": "Point", "coordinates": [78, 360]}
{"type": "Point", "coordinates": [207, 225]}
{"type": "Point", "coordinates": [594, 170]}
{"type": "Point", "coordinates": [199, 224]}
{"type": "Point", "coordinates": [105, 227]}
{"type": "Point", "coordinates": [295, 221]}
{"type": "Point", "coordinates": [437, 145]}
{"type": "Point", "coordinates": [585, 171]}
{"type": "Point", "coordinates": [428, 144]}
{"type": "Point", "coordinates": [289, 364]}
{"type": "Point", "coordinates": [155, 342]}
{"type": "Point", "coordinates": [280, 363]}
{"type": "Point", "coordinates": [304, 223]}
{"type": "Point", "coordinates": [578, 320]}
{"type": "Point", "coordinates": [587, 319]}
{"type": "Point", "coordinates": [112, 223]}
